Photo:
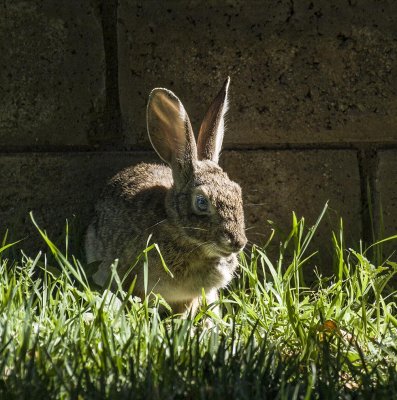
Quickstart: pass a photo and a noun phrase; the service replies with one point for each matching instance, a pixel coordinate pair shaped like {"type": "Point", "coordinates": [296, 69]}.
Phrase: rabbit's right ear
{"type": "Point", "coordinates": [170, 132]}
{"type": "Point", "coordinates": [210, 136]}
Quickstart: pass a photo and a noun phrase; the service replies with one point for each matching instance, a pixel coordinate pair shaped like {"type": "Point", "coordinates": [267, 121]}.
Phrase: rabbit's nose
{"type": "Point", "coordinates": [240, 242]}
{"type": "Point", "coordinates": [235, 241]}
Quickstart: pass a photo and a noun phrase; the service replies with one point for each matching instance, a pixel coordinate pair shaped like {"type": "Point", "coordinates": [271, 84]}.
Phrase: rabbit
{"type": "Point", "coordinates": [189, 206]}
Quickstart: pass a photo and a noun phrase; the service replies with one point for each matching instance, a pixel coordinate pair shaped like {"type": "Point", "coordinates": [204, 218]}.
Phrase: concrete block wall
{"type": "Point", "coordinates": [312, 115]}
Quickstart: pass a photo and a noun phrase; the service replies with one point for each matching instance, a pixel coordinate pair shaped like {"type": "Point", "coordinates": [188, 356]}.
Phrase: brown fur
{"type": "Point", "coordinates": [158, 200]}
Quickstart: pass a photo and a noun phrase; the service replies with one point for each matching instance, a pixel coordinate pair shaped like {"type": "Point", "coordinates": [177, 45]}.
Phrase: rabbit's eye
{"type": "Point", "coordinates": [201, 203]}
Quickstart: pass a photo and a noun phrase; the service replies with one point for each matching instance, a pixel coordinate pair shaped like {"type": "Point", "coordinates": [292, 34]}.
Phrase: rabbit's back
{"type": "Point", "coordinates": [132, 203]}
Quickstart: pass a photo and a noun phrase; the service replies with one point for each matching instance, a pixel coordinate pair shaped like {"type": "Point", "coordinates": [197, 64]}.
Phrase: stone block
{"type": "Point", "coordinates": [52, 73]}
{"type": "Point", "coordinates": [301, 72]}
{"type": "Point", "coordinates": [276, 183]}
{"type": "Point", "coordinates": [55, 187]}
{"type": "Point", "coordinates": [385, 221]}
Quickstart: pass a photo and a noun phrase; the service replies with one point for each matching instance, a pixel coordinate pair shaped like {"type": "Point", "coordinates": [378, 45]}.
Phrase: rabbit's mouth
{"type": "Point", "coordinates": [222, 251]}
{"type": "Point", "coordinates": [216, 250]}
{"type": "Point", "coordinates": [225, 253]}
{"type": "Point", "coordinates": [232, 243]}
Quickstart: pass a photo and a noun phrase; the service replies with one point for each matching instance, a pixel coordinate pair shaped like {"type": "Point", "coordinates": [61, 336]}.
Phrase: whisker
{"type": "Point", "coordinates": [157, 223]}
{"type": "Point", "coordinates": [198, 246]}
{"type": "Point", "coordinates": [258, 234]}
{"type": "Point", "coordinates": [194, 227]}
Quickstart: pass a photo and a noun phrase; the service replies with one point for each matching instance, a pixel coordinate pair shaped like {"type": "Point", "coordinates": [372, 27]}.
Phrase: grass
{"type": "Point", "coordinates": [276, 338]}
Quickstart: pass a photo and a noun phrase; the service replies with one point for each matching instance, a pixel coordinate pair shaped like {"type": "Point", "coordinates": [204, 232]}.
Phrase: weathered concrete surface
{"type": "Point", "coordinates": [305, 75]}
{"type": "Point", "coordinates": [58, 186]}
{"type": "Point", "coordinates": [55, 187]}
{"type": "Point", "coordinates": [275, 183]}
{"type": "Point", "coordinates": [386, 198]}
{"type": "Point", "coordinates": [302, 72]}
{"type": "Point", "coordinates": [52, 73]}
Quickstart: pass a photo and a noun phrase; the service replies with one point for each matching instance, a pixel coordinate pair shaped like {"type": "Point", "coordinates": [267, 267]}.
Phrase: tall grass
{"type": "Point", "coordinates": [276, 338]}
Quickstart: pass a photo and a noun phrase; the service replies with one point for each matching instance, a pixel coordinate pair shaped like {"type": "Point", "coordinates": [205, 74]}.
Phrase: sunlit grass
{"type": "Point", "coordinates": [276, 338]}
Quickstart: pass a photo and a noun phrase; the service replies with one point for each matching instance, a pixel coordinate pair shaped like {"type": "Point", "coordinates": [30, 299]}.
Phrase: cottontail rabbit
{"type": "Point", "coordinates": [193, 211]}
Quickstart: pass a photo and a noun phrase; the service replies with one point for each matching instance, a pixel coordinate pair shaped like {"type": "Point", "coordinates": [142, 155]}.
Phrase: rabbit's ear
{"type": "Point", "coordinates": [210, 137]}
{"type": "Point", "coordinates": [170, 131]}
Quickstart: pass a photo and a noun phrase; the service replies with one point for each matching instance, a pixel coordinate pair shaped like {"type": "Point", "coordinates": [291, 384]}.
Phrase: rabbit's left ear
{"type": "Point", "coordinates": [171, 134]}
{"type": "Point", "coordinates": [210, 137]}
